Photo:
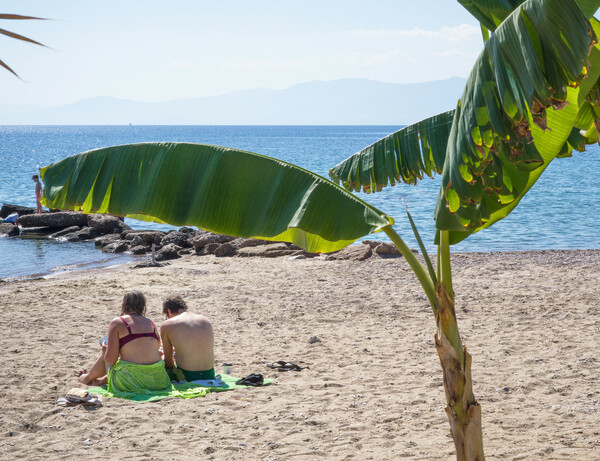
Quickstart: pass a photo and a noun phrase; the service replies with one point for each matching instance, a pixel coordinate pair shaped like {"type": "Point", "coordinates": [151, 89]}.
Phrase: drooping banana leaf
{"type": "Point", "coordinates": [516, 113]}
{"type": "Point", "coordinates": [405, 155]}
{"type": "Point", "coordinates": [218, 189]}
{"type": "Point", "coordinates": [491, 13]}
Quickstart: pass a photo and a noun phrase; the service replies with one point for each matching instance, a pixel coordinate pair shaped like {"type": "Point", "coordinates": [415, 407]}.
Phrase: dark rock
{"type": "Point", "coordinates": [9, 229]}
{"type": "Point", "coordinates": [104, 223]}
{"type": "Point", "coordinates": [138, 250]}
{"type": "Point", "coordinates": [313, 340]}
{"type": "Point", "coordinates": [115, 247]}
{"type": "Point", "coordinates": [66, 231]}
{"type": "Point", "coordinates": [208, 249]}
{"type": "Point", "coordinates": [185, 251]}
{"type": "Point", "coordinates": [245, 243]}
{"type": "Point", "coordinates": [60, 219]}
{"type": "Point", "coordinates": [225, 249]}
{"type": "Point", "coordinates": [208, 237]}
{"type": "Point", "coordinates": [150, 263]}
{"type": "Point", "coordinates": [187, 230]}
{"type": "Point", "coordinates": [107, 239]}
{"type": "Point", "coordinates": [278, 253]}
{"type": "Point", "coordinates": [169, 251]}
{"type": "Point", "coordinates": [20, 210]}
{"type": "Point", "coordinates": [137, 241]}
{"type": "Point", "coordinates": [86, 233]}
{"type": "Point", "coordinates": [387, 249]}
{"type": "Point", "coordinates": [39, 231]}
{"type": "Point", "coordinates": [199, 233]}
{"type": "Point", "coordinates": [177, 238]}
{"type": "Point", "coordinates": [70, 237]}
{"type": "Point", "coordinates": [355, 252]}
{"type": "Point", "coordinates": [124, 227]}
{"type": "Point", "coordinates": [148, 236]}
{"type": "Point", "coordinates": [304, 253]}
{"type": "Point", "coordinates": [267, 251]}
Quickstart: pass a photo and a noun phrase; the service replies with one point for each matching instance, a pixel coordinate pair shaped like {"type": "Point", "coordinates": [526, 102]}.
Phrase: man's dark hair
{"type": "Point", "coordinates": [35, 176]}
{"type": "Point", "coordinates": [174, 304]}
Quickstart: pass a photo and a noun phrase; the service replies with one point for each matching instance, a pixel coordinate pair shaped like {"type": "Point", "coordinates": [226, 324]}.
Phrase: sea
{"type": "Point", "coordinates": [560, 212]}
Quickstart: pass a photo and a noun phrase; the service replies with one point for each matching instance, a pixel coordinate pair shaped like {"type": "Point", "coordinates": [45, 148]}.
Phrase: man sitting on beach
{"type": "Point", "coordinates": [191, 335]}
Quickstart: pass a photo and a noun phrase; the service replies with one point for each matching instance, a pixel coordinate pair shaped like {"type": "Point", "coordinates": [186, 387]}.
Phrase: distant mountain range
{"type": "Point", "coordinates": [336, 102]}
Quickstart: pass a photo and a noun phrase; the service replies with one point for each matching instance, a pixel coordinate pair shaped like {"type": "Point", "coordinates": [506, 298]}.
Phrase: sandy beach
{"type": "Point", "coordinates": [373, 389]}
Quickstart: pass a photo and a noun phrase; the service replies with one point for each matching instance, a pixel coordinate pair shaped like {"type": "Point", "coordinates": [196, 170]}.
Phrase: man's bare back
{"type": "Point", "coordinates": [190, 335]}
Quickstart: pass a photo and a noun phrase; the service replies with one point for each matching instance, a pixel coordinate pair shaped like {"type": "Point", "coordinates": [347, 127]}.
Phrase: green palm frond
{"type": "Point", "coordinates": [406, 155]}
{"type": "Point", "coordinates": [215, 188]}
{"type": "Point", "coordinates": [16, 36]}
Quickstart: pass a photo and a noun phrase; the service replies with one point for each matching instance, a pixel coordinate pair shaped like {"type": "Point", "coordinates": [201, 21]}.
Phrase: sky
{"type": "Point", "coordinates": [148, 50]}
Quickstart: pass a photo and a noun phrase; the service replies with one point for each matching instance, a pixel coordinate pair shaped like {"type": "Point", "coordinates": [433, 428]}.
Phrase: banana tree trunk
{"type": "Point", "coordinates": [464, 413]}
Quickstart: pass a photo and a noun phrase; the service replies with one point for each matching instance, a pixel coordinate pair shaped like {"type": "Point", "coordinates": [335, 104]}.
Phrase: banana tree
{"type": "Point", "coordinates": [531, 97]}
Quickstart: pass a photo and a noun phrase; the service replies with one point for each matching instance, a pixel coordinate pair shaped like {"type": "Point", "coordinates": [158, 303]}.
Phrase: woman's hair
{"type": "Point", "coordinates": [174, 304]}
{"type": "Point", "coordinates": [134, 302]}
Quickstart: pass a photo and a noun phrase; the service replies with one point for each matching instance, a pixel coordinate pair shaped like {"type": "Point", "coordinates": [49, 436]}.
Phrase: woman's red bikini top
{"type": "Point", "coordinates": [131, 336]}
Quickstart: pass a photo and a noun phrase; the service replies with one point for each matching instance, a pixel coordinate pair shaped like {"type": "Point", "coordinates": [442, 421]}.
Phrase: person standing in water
{"type": "Point", "coordinates": [38, 192]}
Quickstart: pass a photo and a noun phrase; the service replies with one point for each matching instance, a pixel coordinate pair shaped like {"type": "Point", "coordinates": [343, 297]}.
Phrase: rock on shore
{"type": "Point", "coordinates": [112, 235]}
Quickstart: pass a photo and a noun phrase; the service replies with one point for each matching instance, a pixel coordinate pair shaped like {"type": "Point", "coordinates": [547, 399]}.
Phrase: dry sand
{"type": "Point", "coordinates": [374, 388]}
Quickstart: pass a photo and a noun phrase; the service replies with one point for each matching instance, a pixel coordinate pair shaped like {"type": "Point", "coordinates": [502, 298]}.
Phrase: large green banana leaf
{"type": "Point", "coordinates": [491, 13]}
{"type": "Point", "coordinates": [405, 155]}
{"type": "Point", "coordinates": [219, 189]}
{"type": "Point", "coordinates": [516, 113]}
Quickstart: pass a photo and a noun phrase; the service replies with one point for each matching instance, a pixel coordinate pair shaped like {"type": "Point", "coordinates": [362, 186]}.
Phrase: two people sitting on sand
{"type": "Point", "coordinates": [131, 360]}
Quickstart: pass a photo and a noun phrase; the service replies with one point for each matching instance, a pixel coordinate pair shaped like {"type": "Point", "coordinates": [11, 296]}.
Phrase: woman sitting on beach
{"type": "Point", "coordinates": [130, 360]}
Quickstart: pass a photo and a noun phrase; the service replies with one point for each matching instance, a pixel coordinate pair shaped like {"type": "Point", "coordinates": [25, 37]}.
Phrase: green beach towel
{"type": "Point", "coordinates": [182, 390]}
{"type": "Point", "coordinates": [128, 377]}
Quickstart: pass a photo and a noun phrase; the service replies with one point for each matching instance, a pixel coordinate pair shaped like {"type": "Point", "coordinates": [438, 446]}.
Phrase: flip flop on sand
{"type": "Point", "coordinates": [281, 365]}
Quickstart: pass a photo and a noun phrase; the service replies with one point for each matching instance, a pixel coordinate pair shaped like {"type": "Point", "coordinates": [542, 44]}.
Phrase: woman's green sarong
{"type": "Point", "coordinates": [132, 378]}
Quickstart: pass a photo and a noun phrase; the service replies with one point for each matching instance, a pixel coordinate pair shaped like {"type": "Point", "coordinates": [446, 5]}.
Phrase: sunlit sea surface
{"type": "Point", "coordinates": [560, 212]}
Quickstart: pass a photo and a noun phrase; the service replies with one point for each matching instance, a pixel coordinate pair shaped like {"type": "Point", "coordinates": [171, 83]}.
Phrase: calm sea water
{"type": "Point", "coordinates": [560, 212]}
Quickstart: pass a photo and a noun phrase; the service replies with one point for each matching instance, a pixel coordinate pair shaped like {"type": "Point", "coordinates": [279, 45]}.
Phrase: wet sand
{"type": "Point", "coordinates": [373, 389]}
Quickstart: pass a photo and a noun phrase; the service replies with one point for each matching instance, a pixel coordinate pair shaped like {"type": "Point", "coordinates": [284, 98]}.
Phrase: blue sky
{"type": "Point", "coordinates": [156, 51]}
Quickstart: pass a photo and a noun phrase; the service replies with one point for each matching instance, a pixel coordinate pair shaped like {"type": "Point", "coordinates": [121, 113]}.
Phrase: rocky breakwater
{"type": "Point", "coordinates": [187, 241]}
{"type": "Point", "coordinates": [112, 235]}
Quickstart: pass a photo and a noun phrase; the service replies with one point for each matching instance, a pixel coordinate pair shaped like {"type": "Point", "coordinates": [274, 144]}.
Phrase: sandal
{"type": "Point", "coordinates": [281, 365]}
{"type": "Point", "coordinates": [253, 379]}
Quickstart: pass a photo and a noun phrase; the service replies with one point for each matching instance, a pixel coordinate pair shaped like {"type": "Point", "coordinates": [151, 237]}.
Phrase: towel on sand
{"type": "Point", "coordinates": [129, 377]}
{"type": "Point", "coordinates": [184, 390]}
